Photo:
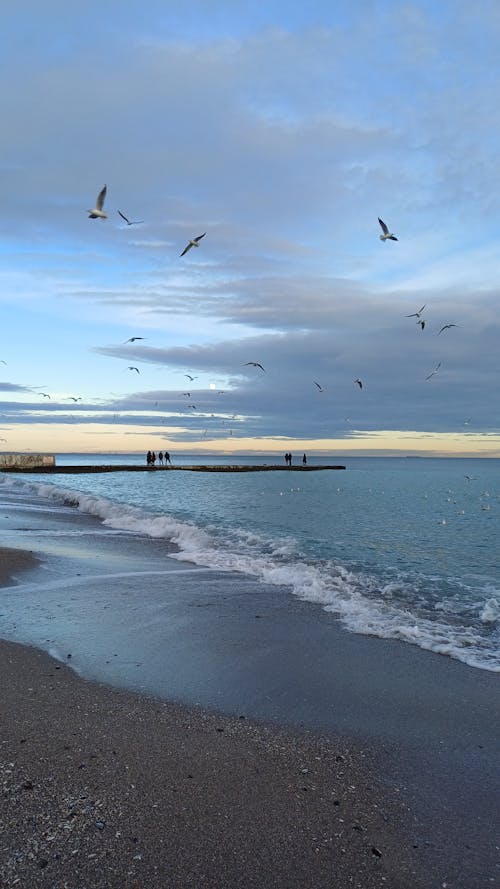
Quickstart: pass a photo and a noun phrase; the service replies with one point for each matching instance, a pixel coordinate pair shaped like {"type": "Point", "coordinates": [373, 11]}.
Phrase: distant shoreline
{"type": "Point", "coordinates": [127, 467]}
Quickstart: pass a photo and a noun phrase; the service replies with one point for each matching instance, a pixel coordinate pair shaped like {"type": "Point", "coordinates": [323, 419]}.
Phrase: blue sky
{"type": "Point", "coordinates": [283, 132]}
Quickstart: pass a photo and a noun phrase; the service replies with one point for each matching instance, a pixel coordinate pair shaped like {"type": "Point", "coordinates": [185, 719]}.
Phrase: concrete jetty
{"type": "Point", "coordinates": [52, 469]}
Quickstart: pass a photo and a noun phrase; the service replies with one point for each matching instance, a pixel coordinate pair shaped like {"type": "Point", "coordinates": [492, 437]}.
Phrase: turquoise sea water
{"type": "Point", "coordinates": [395, 547]}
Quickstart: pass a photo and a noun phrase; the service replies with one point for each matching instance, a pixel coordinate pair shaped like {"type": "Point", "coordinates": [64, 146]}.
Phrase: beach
{"type": "Point", "coordinates": [229, 760]}
{"type": "Point", "coordinates": [106, 789]}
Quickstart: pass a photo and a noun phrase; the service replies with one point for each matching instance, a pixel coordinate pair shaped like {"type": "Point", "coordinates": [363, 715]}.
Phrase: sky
{"type": "Point", "coordinates": [282, 132]}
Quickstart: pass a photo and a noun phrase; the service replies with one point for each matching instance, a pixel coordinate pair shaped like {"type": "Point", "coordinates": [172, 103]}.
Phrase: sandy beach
{"type": "Point", "coordinates": [374, 767]}
{"type": "Point", "coordinates": [106, 789]}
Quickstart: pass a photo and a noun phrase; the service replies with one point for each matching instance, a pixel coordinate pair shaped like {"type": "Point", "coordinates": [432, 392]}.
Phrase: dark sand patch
{"type": "Point", "coordinates": [103, 788]}
{"type": "Point", "coordinates": [13, 561]}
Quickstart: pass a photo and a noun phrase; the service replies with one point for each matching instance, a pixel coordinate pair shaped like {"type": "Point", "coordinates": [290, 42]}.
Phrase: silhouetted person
{"type": "Point", "coordinates": [160, 458]}
{"type": "Point", "coordinates": [148, 458]}
{"type": "Point", "coordinates": [167, 458]}
{"type": "Point", "coordinates": [304, 460]}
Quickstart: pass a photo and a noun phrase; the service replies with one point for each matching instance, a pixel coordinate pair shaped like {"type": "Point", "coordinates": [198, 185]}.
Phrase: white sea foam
{"type": "Point", "coordinates": [359, 600]}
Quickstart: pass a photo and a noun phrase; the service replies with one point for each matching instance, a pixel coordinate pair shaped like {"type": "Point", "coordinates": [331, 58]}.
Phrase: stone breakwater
{"type": "Point", "coordinates": [75, 470]}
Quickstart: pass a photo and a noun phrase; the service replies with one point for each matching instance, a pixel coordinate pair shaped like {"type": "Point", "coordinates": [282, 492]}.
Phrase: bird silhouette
{"type": "Point", "coordinates": [97, 212]}
{"type": "Point", "coordinates": [433, 372]}
{"type": "Point", "coordinates": [194, 242]}
{"type": "Point", "coordinates": [416, 314]}
{"type": "Point", "coordinates": [128, 221]}
{"type": "Point", "coordinates": [387, 235]}
{"type": "Point", "coordinates": [253, 364]}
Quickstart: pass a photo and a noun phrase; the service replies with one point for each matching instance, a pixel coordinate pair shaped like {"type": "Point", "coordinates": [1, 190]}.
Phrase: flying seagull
{"type": "Point", "coordinates": [44, 394]}
{"type": "Point", "coordinates": [194, 242]}
{"type": "Point", "coordinates": [134, 368]}
{"type": "Point", "coordinates": [98, 212]}
{"type": "Point", "coordinates": [253, 364]}
{"type": "Point", "coordinates": [190, 378]}
{"type": "Point", "coordinates": [438, 365]}
{"type": "Point", "coordinates": [446, 326]}
{"type": "Point", "coordinates": [387, 235]}
{"type": "Point", "coordinates": [72, 398]}
{"type": "Point", "coordinates": [359, 382]}
{"type": "Point", "coordinates": [318, 385]}
{"type": "Point", "coordinates": [133, 339]}
{"type": "Point", "coordinates": [416, 314]}
{"type": "Point", "coordinates": [128, 221]}
{"type": "Point", "coordinates": [421, 322]}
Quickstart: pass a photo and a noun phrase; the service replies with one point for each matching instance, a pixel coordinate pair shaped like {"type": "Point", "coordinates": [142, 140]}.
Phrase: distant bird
{"type": "Point", "coordinates": [194, 242]}
{"type": "Point", "coordinates": [318, 385]}
{"type": "Point", "coordinates": [133, 339]}
{"type": "Point", "coordinates": [72, 398]}
{"type": "Point", "coordinates": [387, 235]}
{"type": "Point", "coordinates": [190, 378]}
{"type": "Point", "coordinates": [359, 382]}
{"type": "Point", "coordinates": [3, 362]}
{"type": "Point", "coordinates": [253, 364]}
{"type": "Point", "coordinates": [134, 368]}
{"type": "Point", "coordinates": [44, 394]}
{"type": "Point", "coordinates": [221, 392]}
{"type": "Point", "coordinates": [193, 407]}
{"type": "Point", "coordinates": [98, 212]}
{"type": "Point", "coordinates": [416, 314]}
{"type": "Point", "coordinates": [446, 326]}
{"type": "Point", "coordinates": [421, 322]}
{"type": "Point", "coordinates": [188, 394]}
{"type": "Point", "coordinates": [128, 221]}
{"type": "Point", "coordinates": [438, 365]}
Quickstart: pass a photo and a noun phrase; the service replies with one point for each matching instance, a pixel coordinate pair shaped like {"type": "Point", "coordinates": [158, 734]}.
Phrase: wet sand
{"type": "Point", "coordinates": [106, 788]}
{"type": "Point", "coordinates": [102, 788]}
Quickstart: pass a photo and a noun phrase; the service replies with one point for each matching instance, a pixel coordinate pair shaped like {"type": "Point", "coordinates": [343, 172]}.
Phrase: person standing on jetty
{"type": "Point", "coordinates": [304, 460]}
{"type": "Point", "coordinates": [167, 458]}
{"type": "Point", "coordinates": [160, 458]}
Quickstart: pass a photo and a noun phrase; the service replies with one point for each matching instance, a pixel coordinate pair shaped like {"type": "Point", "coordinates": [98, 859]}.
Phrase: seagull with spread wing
{"type": "Point", "coordinates": [416, 314]}
{"type": "Point", "coordinates": [359, 382]}
{"type": "Point", "coordinates": [433, 372]}
{"type": "Point", "coordinates": [190, 378]}
{"type": "Point", "coordinates": [386, 234]}
{"type": "Point", "coordinates": [253, 364]}
{"type": "Point", "coordinates": [133, 339]}
{"type": "Point", "coordinates": [97, 212]}
{"type": "Point", "coordinates": [194, 242]}
{"type": "Point", "coordinates": [446, 327]}
{"type": "Point", "coordinates": [128, 221]}
{"type": "Point", "coordinates": [134, 368]}
{"type": "Point", "coordinates": [319, 386]}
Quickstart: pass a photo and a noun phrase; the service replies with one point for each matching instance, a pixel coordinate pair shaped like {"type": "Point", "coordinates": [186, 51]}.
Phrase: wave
{"type": "Point", "coordinates": [395, 609]}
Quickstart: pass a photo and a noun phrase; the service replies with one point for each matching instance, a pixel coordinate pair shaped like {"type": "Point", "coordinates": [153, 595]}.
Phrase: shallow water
{"type": "Point", "coordinates": [393, 547]}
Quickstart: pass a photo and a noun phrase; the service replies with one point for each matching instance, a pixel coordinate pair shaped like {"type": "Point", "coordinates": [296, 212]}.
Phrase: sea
{"type": "Point", "coordinates": [395, 547]}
